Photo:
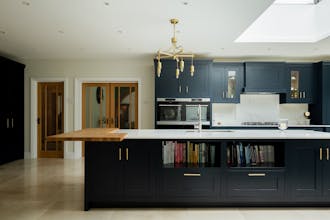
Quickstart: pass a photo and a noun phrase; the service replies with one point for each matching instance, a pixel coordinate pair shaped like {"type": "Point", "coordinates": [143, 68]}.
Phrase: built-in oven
{"type": "Point", "coordinates": [182, 112]}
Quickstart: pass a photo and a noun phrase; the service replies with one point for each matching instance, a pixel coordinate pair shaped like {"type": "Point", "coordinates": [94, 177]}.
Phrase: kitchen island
{"type": "Point", "coordinates": [186, 168]}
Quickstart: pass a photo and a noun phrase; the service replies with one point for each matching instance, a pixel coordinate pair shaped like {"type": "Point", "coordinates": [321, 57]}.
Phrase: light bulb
{"type": "Point", "coordinates": [177, 73]}
{"type": "Point", "coordinates": [181, 65]}
{"type": "Point", "coordinates": [159, 68]}
{"type": "Point", "coordinates": [192, 70]}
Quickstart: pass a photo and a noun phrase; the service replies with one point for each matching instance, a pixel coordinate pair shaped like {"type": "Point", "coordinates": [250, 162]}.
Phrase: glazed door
{"type": "Point", "coordinates": [96, 98]}
{"type": "Point", "coordinates": [124, 112]}
{"type": "Point", "coordinates": [50, 118]}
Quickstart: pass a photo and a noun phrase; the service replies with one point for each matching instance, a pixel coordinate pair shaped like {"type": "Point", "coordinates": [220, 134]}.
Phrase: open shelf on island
{"type": "Point", "coordinates": [255, 154]}
{"type": "Point", "coordinates": [191, 154]}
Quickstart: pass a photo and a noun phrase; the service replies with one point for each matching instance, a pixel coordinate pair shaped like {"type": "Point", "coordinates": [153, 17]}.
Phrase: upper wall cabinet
{"type": "Point", "coordinates": [266, 77]}
{"type": "Point", "coordinates": [226, 82]}
{"type": "Point", "coordinates": [302, 83]}
{"type": "Point", "coordinates": [196, 86]}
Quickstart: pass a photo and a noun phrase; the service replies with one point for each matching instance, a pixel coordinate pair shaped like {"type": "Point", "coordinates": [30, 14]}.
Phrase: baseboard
{"type": "Point", "coordinates": [27, 155]}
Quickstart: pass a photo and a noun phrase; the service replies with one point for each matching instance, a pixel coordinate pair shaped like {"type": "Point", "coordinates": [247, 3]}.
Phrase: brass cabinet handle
{"type": "Point", "coordinates": [120, 153]}
{"type": "Point", "coordinates": [327, 153]}
{"type": "Point", "coordinates": [321, 153]}
{"type": "Point", "coordinates": [126, 153]}
{"type": "Point", "coordinates": [304, 94]}
{"type": "Point", "coordinates": [187, 89]}
{"type": "Point", "coordinates": [192, 174]}
{"type": "Point", "coordinates": [179, 89]}
{"type": "Point", "coordinates": [12, 122]}
{"type": "Point", "coordinates": [256, 174]}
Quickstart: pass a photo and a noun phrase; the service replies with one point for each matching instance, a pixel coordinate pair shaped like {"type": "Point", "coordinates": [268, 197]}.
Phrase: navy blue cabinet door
{"type": "Point", "coordinates": [186, 86]}
{"type": "Point", "coordinates": [305, 82]}
{"type": "Point", "coordinates": [167, 85]}
{"type": "Point", "coordinates": [266, 77]}
{"type": "Point", "coordinates": [226, 82]}
{"type": "Point", "coordinates": [305, 170]}
{"type": "Point", "coordinates": [326, 171]}
{"type": "Point", "coordinates": [196, 86]}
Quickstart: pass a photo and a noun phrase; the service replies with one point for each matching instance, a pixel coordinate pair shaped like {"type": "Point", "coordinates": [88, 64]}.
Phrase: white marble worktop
{"type": "Point", "coordinates": [222, 134]}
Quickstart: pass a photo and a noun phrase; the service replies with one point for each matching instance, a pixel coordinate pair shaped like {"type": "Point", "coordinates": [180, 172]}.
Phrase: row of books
{"type": "Point", "coordinates": [250, 155]}
{"type": "Point", "coordinates": [188, 153]}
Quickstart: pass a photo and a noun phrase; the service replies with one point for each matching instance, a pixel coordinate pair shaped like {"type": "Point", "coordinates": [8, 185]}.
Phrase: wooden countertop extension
{"type": "Point", "coordinates": [89, 134]}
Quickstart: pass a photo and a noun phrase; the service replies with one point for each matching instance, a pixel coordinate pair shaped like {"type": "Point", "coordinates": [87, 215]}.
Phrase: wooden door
{"type": "Point", "coordinates": [124, 105]}
{"type": "Point", "coordinates": [95, 105]}
{"type": "Point", "coordinates": [50, 118]}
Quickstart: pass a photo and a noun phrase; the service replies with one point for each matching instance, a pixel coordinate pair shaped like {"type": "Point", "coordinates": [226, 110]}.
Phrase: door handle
{"type": "Point", "coordinates": [321, 153]}
{"type": "Point", "coordinates": [7, 122]}
{"type": "Point", "coordinates": [126, 153]}
{"type": "Point", "coordinates": [12, 122]}
{"type": "Point", "coordinates": [256, 174]}
{"type": "Point", "coordinates": [187, 89]}
{"type": "Point", "coordinates": [119, 156]}
{"type": "Point", "coordinates": [180, 89]}
{"type": "Point", "coordinates": [327, 153]}
{"type": "Point", "coordinates": [192, 174]}
{"type": "Point", "coordinates": [304, 94]}
{"type": "Point", "coordinates": [223, 94]}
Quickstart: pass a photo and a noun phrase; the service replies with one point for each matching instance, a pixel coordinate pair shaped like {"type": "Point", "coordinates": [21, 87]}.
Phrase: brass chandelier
{"type": "Point", "coordinates": [176, 53]}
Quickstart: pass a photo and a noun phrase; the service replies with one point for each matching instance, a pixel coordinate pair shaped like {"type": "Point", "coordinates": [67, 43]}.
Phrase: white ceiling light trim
{"type": "Point", "coordinates": [290, 23]}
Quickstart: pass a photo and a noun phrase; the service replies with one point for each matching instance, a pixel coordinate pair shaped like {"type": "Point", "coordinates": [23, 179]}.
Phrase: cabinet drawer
{"type": "Point", "coordinates": [190, 184]}
{"type": "Point", "coordinates": [259, 185]}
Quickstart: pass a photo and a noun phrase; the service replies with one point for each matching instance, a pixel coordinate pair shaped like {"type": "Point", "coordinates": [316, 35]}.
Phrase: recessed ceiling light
{"type": "Point", "coordinates": [2, 32]}
{"type": "Point", "coordinates": [106, 3]}
{"type": "Point", "coordinates": [185, 3]}
{"type": "Point", "coordinates": [60, 31]}
{"type": "Point", "coordinates": [26, 3]}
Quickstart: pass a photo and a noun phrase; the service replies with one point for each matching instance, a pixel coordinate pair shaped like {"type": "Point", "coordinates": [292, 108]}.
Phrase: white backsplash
{"type": "Point", "coordinates": [258, 108]}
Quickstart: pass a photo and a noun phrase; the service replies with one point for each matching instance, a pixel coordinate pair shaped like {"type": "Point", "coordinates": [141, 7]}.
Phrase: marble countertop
{"type": "Point", "coordinates": [222, 134]}
{"type": "Point", "coordinates": [269, 126]}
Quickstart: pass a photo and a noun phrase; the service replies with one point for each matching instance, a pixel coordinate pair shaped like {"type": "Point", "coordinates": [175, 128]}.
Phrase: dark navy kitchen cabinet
{"type": "Point", "coordinates": [186, 86]}
{"type": "Point", "coordinates": [226, 82]}
{"type": "Point", "coordinates": [320, 109]}
{"type": "Point", "coordinates": [123, 172]}
{"type": "Point", "coordinates": [167, 85]}
{"type": "Point", "coordinates": [302, 83]}
{"type": "Point", "coordinates": [12, 110]}
{"type": "Point", "coordinates": [305, 169]}
{"type": "Point", "coordinates": [266, 77]}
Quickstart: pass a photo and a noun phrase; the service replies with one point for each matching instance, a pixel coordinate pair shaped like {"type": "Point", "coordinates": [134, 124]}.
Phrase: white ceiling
{"type": "Point", "coordinates": [91, 29]}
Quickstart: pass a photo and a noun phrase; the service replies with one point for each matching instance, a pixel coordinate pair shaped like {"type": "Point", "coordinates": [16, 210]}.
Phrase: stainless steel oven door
{"type": "Point", "coordinates": [169, 112]}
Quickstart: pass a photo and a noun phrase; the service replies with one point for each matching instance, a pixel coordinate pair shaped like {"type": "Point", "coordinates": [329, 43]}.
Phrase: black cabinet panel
{"type": "Point", "coordinates": [12, 112]}
{"type": "Point", "coordinates": [189, 185]}
{"type": "Point", "coordinates": [186, 86]}
{"type": "Point", "coordinates": [266, 77]}
{"type": "Point", "coordinates": [255, 185]}
{"type": "Point", "coordinates": [305, 170]}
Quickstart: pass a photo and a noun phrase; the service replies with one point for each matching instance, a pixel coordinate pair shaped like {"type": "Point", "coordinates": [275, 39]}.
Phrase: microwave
{"type": "Point", "coordinates": [182, 112]}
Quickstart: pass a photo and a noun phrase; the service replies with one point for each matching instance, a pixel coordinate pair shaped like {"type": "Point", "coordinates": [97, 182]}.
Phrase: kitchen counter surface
{"type": "Point", "coordinates": [90, 134]}
{"type": "Point", "coordinates": [268, 126]}
{"type": "Point", "coordinates": [223, 134]}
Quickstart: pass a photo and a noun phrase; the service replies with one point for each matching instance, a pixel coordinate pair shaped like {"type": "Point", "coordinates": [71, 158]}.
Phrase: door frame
{"type": "Point", "coordinates": [34, 114]}
{"type": "Point", "coordinates": [78, 101]}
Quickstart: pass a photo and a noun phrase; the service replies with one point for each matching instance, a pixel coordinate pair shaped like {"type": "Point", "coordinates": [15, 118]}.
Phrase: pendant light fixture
{"type": "Point", "coordinates": [176, 53]}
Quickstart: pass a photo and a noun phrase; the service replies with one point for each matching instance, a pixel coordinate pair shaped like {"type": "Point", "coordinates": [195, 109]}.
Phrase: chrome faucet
{"type": "Point", "coordinates": [199, 125]}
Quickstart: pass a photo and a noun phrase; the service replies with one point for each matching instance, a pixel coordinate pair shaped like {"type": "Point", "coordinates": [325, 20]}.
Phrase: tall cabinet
{"type": "Point", "coordinates": [12, 110]}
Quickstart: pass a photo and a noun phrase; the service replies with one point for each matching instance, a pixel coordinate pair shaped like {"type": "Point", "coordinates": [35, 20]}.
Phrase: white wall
{"type": "Point", "coordinates": [127, 69]}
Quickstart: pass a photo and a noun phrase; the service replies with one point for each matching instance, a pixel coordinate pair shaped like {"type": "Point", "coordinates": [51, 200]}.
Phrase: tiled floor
{"type": "Point", "coordinates": [53, 189]}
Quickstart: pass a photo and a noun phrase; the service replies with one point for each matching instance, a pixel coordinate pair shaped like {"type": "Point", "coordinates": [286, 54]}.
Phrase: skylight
{"type": "Point", "coordinates": [284, 22]}
{"type": "Point", "coordinates": [299, 2]}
